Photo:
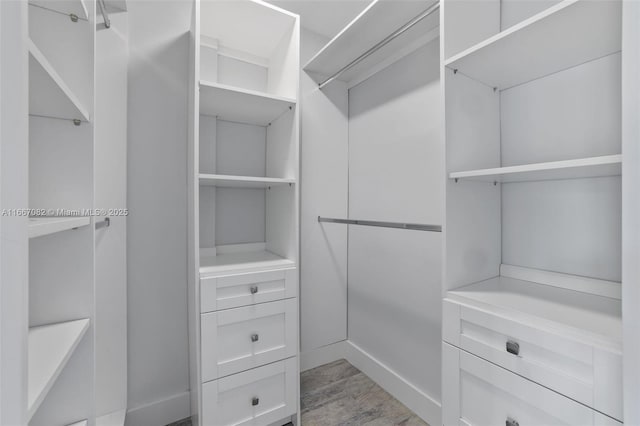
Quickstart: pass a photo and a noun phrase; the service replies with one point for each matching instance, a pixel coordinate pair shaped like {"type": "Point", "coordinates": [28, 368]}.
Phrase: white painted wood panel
{"type": "Point", "coordinates": [467, 22]}
{"type": "Point", "coordinates": [237, 73]}
{"type": "Point", "coordinates": [235, 340]}
{"type": "Point", "coordinates": [229, 401]}
{"type": "Point", "coordinates": [324, 189]}
{"type": "Point", "coordinates": [569, 226]}
{"type": "Point", "coordinates": [240, 149]}
{"type": "Point", "coordinates": [226, 292]}
{"type": "Point", "coordinates": [240, 215]}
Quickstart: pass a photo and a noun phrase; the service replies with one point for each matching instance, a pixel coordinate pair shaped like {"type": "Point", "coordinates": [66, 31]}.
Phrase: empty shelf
{"type": "Point", "coordinates": [50, 348]}
{"type": "Point", "coordinates": [68, 7]}
{"type": "Point", "coordinates": [608, 165]}
{"type": "Point", "coordinates": [565, 35]}
{"type": "Point", "coordinates": [39, 226]}
{"type": "Point", "coordinates": [242, 261]}
{"type": "Point", "coordinates": [594, 318]}
{"type": "Point", "coordinates": [81, 423]}
{"type": "Point", "coordinates": [49, 95]}
{"type": "Point", "coordinates": [241, 105]}
{"type": "Point", "coordinates": [228, 181]}
{"type": "Point", "coordinates": [379, 20]}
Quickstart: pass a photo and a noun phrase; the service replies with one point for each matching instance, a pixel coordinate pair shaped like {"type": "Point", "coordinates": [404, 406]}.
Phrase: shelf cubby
{"type": "Point", "coordinates": [50, 348]}
{"type": "Point", "coordinates": [544, 44]}
{"type": "Point", "coordinates": [608, 165]}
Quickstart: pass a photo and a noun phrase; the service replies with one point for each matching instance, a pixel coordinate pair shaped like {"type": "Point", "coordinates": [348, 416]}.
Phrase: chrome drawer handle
{"type": "Point", "coordinates": [511, 422]}
{"type": "Point", "coordinates": [255, 401]}
{"type": "Point", "coordinates": [255, 337]}
{"type": "Point", "coordinates": [513, 348]}
{"type": "Point", "coordinates": [254, 289]}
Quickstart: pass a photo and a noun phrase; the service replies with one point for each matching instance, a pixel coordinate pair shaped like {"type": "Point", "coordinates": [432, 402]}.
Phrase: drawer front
{"type": "Point", "coordinates": [238, 339]}
{"type": "Point", "coordinates": [590, 375]}
{"type": "Point", "coordinates": [246, 289]}
{"type": "Point", "coordinates": [256, 397]}
{"type": "Point", "coordinates": [478, 393]}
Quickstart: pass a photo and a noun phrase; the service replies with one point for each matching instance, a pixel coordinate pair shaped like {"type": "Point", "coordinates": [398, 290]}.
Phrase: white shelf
{"type": "Point", "coordinates": [241, 105]}
{"type": "Point", "coordinates": [592, 318]}
{"type": "Point", "coordinates": [228, 181]}
{"type": "Point", "coordinates": [39, 226]}
{"type": "Point", "coordinates": [242, 261]}
{"type": "Point", "coordinates": [50, 348]}
{"type": "Point", "coordinates": [81, 423]}
{"type": "Point", "coordinates": [544, 44]}
{"type": "Point", "coordinates": [76, 7]}
{"type": "Point", "coordinates": [374, 24]}
{"type": "Point", "coordinates": [608, 165]}
{"type": "Point", "coordinates": [49, 95]}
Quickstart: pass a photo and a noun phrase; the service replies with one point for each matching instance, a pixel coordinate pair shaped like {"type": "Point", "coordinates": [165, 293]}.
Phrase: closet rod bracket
{"type": "Point", "coordinates": [103, 223]}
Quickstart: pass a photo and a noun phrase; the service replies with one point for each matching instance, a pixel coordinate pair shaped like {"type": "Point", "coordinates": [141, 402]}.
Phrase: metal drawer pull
{"type": "Point", "coordinates": [254, 337]}
{"type": "Point", "coordinates": [255, 401]}
{"type": "Point", "coordinates": [254, 289]}
{"type": "Point", "coordinates": [511, 422]}
{"type": "Point", "coordinates": [513, 348]}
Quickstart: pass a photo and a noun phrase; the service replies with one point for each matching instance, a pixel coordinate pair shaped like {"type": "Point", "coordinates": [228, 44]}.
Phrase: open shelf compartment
{"type": "Point", "coordinates": [49, 95]}
{"type": "Point", "coordinates": [242, 105]}
{"type": "Point", "coordinates": [50, 348]}
{"type": "Point", "coordinates": [608, 165]}
{"type": "Point", "coordinates": [379, 20]}
{"type": "Point", "coordinates": [242, 260]}
{"type": "Point", "coordinates": [228, 181]}
{"type": "Point", "coordinates": [544, 44]}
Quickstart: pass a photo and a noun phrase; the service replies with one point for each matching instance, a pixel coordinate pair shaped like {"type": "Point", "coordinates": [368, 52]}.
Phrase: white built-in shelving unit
{"type": "Point", "coordinates": [243, 198]}
{"type": "Point", "coordinates": [533, 247]}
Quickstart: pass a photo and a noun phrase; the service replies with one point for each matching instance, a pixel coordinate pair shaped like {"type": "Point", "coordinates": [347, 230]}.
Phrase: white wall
{"type": "Point", "coordinates": [324, 186]}
{"type": "Point", "coordinates": [157, 224]}
{"type": "Point", "coordinates": [396, 174]}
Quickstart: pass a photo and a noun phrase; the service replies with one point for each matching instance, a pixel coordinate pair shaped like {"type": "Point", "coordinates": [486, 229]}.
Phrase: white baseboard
{"type": "Point", "coordinates": [160, 413]}
{"type": "Point", "coordinates": [416, 400]}
{"type": "Point", "coordinates": [323, 355]}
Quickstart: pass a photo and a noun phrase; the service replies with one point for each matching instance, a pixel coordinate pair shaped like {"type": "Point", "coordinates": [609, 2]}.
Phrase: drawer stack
{"type": "Point", "coordinates": [249, 347]}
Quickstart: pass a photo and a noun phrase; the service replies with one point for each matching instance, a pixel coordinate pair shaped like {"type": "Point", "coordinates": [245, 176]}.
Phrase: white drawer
{"type": "Point", "coordinates": [478, 393]}
{"type": "Point", "coordinates": [238, 339]}
{"type": "Point", "coordinates": [586, 373]}
{"type": "Point", "coordinates": [245, 289]}
{"type": "Point", "coordinates": [256, 397]}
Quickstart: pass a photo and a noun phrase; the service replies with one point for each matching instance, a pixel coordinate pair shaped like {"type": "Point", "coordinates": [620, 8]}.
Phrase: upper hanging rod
{"type": "Point", "coordinates": [384, 42]}
{"type": "Point", "coordinates": [411, 226]}
{"type": "Point", "coordinates": [105, 14]}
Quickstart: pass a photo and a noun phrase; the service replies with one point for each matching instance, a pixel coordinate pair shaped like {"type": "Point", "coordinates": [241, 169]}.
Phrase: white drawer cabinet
{"type": "Point", "coordinates": [225, 292]}
{"type": "Point", "coordinates": [256, 397]}
{"type": "Point", "coordinates": [238, 339]}
{"type": "Point", "coordinates": [479, 393]}
{"type": "Point", "coordinates": [584, 372]}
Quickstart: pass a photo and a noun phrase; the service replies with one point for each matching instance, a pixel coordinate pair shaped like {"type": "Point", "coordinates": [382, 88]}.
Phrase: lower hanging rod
{"type": "Point", "coordinates": [397, 225]}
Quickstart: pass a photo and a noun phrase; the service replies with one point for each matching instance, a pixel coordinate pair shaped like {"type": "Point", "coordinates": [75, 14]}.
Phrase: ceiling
{"type": "Point", "coordinates": [324, 17]}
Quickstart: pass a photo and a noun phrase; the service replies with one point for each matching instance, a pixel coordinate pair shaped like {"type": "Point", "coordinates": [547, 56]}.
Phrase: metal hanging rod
{"type": "Point", "coordinates": [411, 226]}
{"type": "Point", "coordinates": [383, 43]}
{"type": "Point", "coordinates": [105, 14]}
{"type": "Point", "coordinates": [103, 223]}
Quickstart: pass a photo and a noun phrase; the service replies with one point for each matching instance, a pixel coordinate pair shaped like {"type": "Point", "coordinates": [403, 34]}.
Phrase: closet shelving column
{"type": "Point", "coordinates": [61, 274]}
{"type": "Point", "coordinates": [243, 227]}
{"type": "Point", "coordinates": [533, 213]}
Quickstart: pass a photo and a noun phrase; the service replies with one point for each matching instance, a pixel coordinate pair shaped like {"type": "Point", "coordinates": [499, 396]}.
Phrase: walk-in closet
{"type": "Point", "coordinates": [319, 213]}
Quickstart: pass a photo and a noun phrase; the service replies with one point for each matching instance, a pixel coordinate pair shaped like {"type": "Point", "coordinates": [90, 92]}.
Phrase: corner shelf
{"type": "Point", "coordinates": [608, 165]}
{"type": "Point", "coordinates": [544, 44]}
{"type": "Point", "coordinates": [49, 95]}
{"type": "Point", "coordinates": [76, 7]}
{"type": "Point", "coordinates": [50, 348]}
{"type": "Point", "coordinates": [229, 181]}
{"type": "Point", "coordinates": [371, 26]}
{"type": "Point", "coordinates": [241, 261]}
{"type": "Point", "coordinates": [241, 105]}
{"type": "Point", "coordinates": [39, 226]}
